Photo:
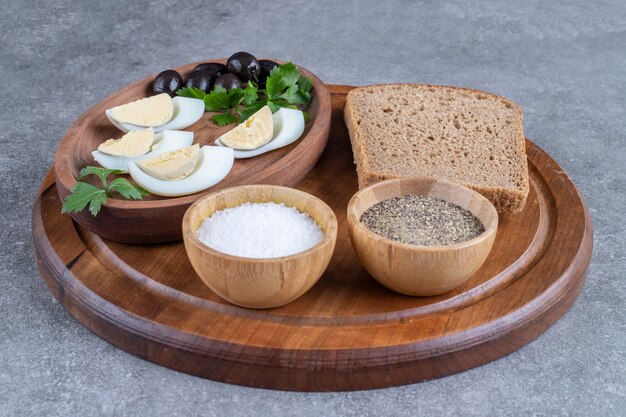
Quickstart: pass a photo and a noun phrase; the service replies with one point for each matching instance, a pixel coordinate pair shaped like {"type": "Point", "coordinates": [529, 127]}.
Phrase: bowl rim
{"type": "Point", "coordinates": [356, 222]}
{"type": "Point", "coordinates": [329, 237]}
{"type": "Point", "coordinates": [65, 178]}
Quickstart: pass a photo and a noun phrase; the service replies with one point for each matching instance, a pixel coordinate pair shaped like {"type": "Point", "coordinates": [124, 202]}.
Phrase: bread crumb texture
{"type": "Point", "coordinates": [464, 136]}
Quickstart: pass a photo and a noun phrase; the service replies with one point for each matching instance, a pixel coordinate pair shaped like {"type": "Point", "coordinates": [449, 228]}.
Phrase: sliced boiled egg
{"type": "Point", "coordinates": [254, 132]}
{"type": "Point", "coordinates": [212, 166]}
{"type": "Point", "coordinates": [146, 112]}
{"type": "Point", "coordinates": [288, 127]}
{"type": "Point", "coordinates": [172, 166]}
{"type": "Point", "coordinates": [132, 144]}
{"type": "Point", "coordinates": [166, 141]}
{"type": "Point", "coordinates": [160, 112]}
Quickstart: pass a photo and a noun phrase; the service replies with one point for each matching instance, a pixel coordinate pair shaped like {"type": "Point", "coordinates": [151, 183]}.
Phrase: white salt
{"type": "Point", "coordinates": [260, 230]}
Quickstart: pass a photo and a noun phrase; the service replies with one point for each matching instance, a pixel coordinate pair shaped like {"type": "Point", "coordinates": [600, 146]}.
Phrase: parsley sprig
{"type": "Point", "coordinates": [84, 194]}
{"type": "Point", "coordinates": [284, 87]}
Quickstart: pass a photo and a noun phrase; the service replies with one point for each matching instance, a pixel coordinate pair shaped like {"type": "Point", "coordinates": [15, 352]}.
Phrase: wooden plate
{"type": "Point", "coordinates": [348, 332]}
{"type": "Point", "coordinates": [158, 219]}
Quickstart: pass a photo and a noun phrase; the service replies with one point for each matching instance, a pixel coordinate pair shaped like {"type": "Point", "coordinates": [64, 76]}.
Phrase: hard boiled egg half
{"type": "Point", "coordinates": [160, 112]}
{"type": "Point", "coordinates": [287, 127]}
{"type": "Point", "coordinates": [137, 145]}
{"type": "Point", "coordinates": [183, 171]}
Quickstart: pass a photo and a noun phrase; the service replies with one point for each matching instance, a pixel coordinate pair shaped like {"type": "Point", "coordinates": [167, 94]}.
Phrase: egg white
{"type": "Point", "coordinates": [187, 111]}
{"type": "Point", "coordinates": [168, 140]}
{"type": "Point", "coordinates": [288, 127]}
{"type": "Point", "coordinates": [214, 165]}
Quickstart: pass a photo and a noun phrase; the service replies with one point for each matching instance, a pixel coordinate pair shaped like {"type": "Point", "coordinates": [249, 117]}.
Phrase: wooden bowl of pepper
{"type": "Point", "coordinates": [421, 236]}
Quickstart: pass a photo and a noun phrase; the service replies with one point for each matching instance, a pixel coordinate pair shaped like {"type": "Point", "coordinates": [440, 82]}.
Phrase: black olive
{"type": "Point", "coordinates": [244, 65]}
{"type": "Point", "coordinates": [228, 81]}
{"type": "Point", "coordinates": [169, 81]}
{"type": "Point", "coordinates": [199, 79]}
{"type": "Point", "coordinates": [213, 67]}
{"type": "Point", "coordinates": [266, 67]}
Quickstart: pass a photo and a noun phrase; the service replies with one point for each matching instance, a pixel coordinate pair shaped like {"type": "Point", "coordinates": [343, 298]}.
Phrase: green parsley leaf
{"type": "Point", "coordinates": [289, 73]}
{"type": "Point", "coordinates": [191, 93]}
{"type": "Point", "coordinates": [285, 82]}
{"type": "Point", "coordinates": [216, 100]}
{"type": "Point", "coordinates": [275, 83]}
{"type": "Point", "coordinates": [235, 96]}
{"type": "Point", "coordinates": [96, 204]}
{"type": "Point", "coordinates": [83, 194]}
{"type": "Point", "coordinates": [101, 173]}
{"type": "Point", "coordinates": [305, 84]}
{"type": "Point", "coordinates": [126, 189]}
{"type": "Point", "coordinates": [250, 94]}
{"type": "Point", "coordinates": [219, 99]}
{"type": "Point", "coordinates": [224, 119]}
{"type": "Point", "coordinates": [293, 96]}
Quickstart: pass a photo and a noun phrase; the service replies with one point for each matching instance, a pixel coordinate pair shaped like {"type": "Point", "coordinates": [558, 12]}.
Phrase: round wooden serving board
{"type": "Point", "coordinates": [158, 219]}
{"type": "Point", "coordinates": [348, 332]}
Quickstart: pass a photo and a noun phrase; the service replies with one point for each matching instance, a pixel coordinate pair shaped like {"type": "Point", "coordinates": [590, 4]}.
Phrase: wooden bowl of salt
{"type": "Point", "coordinates": [423, 267]}
{"type": "Point", "coordinates": [238, 252]}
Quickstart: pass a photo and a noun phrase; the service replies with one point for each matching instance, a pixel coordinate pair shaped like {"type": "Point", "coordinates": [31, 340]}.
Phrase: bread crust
{"type": "Point", "coordinates": [505, 199]}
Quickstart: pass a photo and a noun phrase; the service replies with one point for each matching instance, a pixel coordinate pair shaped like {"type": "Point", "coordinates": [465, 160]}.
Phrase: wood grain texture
{"type": "Point", "coordinates": [259, 283]}
{"type": "Point", "coordinates": [421, 270]}
{"type": "Point", "coordinates": [348, 332]}
{"type": "Point", "coordinates": [134, 221]}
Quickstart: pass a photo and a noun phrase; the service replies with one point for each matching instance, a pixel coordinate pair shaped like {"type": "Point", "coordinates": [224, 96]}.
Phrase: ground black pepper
{"type": "Point", "coordinates": [420, 220]}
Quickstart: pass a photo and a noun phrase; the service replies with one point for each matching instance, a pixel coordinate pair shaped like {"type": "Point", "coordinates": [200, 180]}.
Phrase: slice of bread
{"type": "Point", "coordinates": [464, 136]}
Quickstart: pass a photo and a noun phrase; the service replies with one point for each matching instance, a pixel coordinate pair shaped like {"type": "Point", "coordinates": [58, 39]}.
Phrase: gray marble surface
{"type": "Point", "coordinates": [564, 62]}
